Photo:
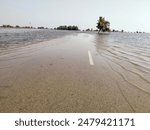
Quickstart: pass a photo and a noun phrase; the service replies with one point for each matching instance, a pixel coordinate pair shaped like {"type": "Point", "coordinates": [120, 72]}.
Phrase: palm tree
{"type": "Point", "coordinates": [106, 26]}
{"type": "Point", "coordinates": [103, 25]}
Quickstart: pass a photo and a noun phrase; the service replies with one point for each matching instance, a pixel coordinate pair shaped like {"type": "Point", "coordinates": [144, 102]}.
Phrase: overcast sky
{"type": "Point", "coordinates": [130, 15]}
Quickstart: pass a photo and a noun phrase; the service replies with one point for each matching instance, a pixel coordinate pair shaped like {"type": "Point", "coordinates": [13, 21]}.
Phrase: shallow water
{"type": "Point", "coordinates": [55, 76]}
{"type": "Point", "coordinates": [128, 55]}
{"type": "Point", "coordinates": [18, 37]}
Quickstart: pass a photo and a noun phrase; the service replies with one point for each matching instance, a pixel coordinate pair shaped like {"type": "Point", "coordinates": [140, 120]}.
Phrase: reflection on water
{"type": "Point", "coordinates": [128, 55]}
{"type": "Point", "coordinates": [101, 41]}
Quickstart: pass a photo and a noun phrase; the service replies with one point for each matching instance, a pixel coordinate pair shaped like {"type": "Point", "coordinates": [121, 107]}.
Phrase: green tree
{"type": "Point", "coordinates": [68, 28]}
{"type": "Point", "coordinates": [103, 25]}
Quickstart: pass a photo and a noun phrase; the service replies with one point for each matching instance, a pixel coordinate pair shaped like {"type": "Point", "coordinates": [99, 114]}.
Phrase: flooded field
{"type": "Point", "coordinates": [10, 38]}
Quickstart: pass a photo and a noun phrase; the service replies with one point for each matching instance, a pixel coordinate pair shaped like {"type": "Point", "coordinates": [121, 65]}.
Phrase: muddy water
{"type": "Point", "coordinates": [56, 76]}
{"type": "Point", "coordinates": [130, 53]}
{"type": "Point", "coordinates": [11, 38]}
{"type": "Point", "coordinates": [128, 58]}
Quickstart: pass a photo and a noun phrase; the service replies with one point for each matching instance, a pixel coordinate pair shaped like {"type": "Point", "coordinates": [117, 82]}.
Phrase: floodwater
{"type": "Point", "coordinates": [19, 37]}
{"type": "Point", "coordinates": [56, 76]}
{"type": "Point", "coordinates": [129, 52]}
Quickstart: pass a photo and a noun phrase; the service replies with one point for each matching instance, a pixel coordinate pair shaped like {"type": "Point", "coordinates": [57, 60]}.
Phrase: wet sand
{"type": "Point", "coordinates": [56, 76]}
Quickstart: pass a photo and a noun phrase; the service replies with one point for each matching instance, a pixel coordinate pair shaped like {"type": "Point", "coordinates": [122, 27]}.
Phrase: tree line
{"type": "Point", "coordinates": [75, 28]}
{"type": "Point", "coordinates": [17, 26]}
{"type": "Point", "coordinates": [26, 27]}
{"type": "Point", "coordinates": [102, 25]}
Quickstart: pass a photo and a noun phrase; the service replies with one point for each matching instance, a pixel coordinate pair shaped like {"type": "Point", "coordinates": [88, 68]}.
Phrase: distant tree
{"type": "Point", "coordinates": [26, 27]}
{"type": "Point", "coordinates": [40, 27]}
{"type": "Point", "coordinates": [103, 25]}
{"type": "Point", "coordinates": [7, 26]}
{"type": "Point", "coordinates": [75, 28]}
{"type": "Point", "coordinates": [4, 26]}
{"type": "Point", "coordinates": [17, 26]}
{"type": "Point", "coordinates": [68, 28]}
{"type": "Point", "coordinates": [87, 29]}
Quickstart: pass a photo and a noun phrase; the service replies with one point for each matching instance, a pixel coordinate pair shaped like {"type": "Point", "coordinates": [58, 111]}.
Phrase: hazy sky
{"type": "Point", "coordinates": [130, 15]}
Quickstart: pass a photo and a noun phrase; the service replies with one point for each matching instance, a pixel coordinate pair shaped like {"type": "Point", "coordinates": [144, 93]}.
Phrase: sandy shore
{"type": "Point", "coordinates": [56, 76]}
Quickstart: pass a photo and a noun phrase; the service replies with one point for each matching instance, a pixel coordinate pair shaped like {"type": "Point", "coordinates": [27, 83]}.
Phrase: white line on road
{"type": "Point", "coordinates": [90, 58]}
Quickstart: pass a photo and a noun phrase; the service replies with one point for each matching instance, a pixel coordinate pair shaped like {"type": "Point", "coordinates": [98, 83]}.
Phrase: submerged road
{"type": "Point", "coordinates": [75, 73]}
